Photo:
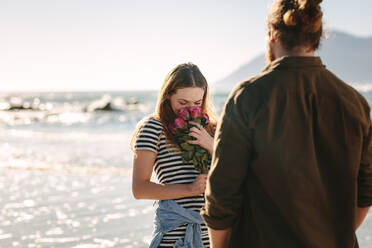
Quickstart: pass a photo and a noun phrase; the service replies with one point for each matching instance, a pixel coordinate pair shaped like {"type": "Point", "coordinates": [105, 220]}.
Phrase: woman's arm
{"type": "Point", "coordinates": [143, 188]}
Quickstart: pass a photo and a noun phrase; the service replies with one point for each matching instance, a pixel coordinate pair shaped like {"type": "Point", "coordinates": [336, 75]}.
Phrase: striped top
{"type": "Point", "coordinates": [170, 169]}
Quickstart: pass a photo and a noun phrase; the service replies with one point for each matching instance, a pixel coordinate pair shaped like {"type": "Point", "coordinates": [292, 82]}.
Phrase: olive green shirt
{"type": "Point", "coordinates": [292, 159]}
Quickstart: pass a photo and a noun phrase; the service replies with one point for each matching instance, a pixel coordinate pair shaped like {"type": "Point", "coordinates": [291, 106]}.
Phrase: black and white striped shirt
{"type": "Point", "coordinates": [170, 169]}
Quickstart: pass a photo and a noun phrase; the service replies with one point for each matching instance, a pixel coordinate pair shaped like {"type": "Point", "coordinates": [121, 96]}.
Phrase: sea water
{"type": "Point", "coordinates": [65, 170]}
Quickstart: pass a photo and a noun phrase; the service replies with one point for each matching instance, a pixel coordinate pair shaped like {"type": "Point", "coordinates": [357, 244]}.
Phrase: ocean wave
{"type": "Point", "coordinates": [105, 103]}
{"type": "Point", "coordinates": [20, 164]}
{"type": "Point", "coordinates": [28, 110]}
{"type": "Point", "coordinates": [70, 136]}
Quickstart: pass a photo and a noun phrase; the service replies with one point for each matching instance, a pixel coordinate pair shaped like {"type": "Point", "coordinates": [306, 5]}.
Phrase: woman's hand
{"type": "Point", "coordinates": [198, 186]}
{"type": "Point", "coordinates": [143, 188]}
{"type": "Point", "coordinates": [202, 137]}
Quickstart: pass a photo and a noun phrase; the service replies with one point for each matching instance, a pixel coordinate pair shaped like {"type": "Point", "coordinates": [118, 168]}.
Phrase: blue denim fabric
{"type": "Point", "coordinates": [168, 216]}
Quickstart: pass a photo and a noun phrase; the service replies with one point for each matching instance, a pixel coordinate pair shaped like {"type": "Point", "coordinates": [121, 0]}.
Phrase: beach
{"type": "Point", "coordinates": [65, 171]}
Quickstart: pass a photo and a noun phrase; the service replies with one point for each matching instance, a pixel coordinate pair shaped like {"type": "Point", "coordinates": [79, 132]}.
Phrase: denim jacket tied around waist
{"type": "Point", "coordinates": [168, 216]}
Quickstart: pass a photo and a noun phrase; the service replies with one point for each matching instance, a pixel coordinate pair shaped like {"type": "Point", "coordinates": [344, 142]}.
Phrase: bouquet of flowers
{"type": "Point", "coordinates": [180, 128]}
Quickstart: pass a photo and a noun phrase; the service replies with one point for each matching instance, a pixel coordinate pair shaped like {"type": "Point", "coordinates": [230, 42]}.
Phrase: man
{"type": "Point", "coordinates": [292, 164]}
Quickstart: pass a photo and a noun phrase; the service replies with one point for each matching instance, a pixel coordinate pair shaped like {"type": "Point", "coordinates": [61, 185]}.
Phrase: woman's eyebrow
{"type": "Point", "coordinates": [188, 101]}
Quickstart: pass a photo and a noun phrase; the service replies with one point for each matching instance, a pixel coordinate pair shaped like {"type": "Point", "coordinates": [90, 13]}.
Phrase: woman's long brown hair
{"type": "Point", "coordinates": [182, 76]}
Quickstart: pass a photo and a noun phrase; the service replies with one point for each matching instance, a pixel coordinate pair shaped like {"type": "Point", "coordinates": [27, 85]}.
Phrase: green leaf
{"type": "Point", "coordinates": [194, 161]}
{"type": "Point", "coordinates": [190, 154]}
{"type": "Point", "coordinates": [187, 146]}
{"type": "Point", "coordinates": [197, 120]}
{"type": "Point", "coordinates": [205, 157]}
{"type": "Point", "coordinates": [184, 155]}
{"type": "Point", "coordinates": [198, 153]}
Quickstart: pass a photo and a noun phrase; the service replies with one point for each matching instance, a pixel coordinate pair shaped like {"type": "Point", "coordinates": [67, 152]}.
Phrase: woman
{"type": "Point", "coordinates": [155, 149]}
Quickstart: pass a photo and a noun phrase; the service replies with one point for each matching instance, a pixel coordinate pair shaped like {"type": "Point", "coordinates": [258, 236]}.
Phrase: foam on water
{"type": "Point", "coordinates": [71, 108]}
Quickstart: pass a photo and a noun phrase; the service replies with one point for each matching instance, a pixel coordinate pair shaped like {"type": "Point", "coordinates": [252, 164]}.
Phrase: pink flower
{"type": "Point", "coordinates": [180, 123]}
{"type": "Point", "coordinates": [206, 118]}
{"type": "Point", "coordinates": [184, 113]}
{"type": "Point", "coordinates": [195, 111]}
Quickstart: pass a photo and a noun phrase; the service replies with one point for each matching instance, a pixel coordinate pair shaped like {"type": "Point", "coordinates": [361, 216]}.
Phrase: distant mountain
{"type": "Point", "coordinates": [348, 56]}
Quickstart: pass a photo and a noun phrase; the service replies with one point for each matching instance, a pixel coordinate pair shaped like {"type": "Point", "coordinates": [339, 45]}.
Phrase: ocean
{"type": "Point", "coordinates": [65, 164]}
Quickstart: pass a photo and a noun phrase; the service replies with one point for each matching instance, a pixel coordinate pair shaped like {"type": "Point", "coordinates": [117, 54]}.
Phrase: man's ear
{"type": "Point", "coordinates": [271, 34]}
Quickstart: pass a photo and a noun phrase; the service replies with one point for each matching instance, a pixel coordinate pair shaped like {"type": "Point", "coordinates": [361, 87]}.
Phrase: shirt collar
{"type": "Point", "coordinates": [294, 62]}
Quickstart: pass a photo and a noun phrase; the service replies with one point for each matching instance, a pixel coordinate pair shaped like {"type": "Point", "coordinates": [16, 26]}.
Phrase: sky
{"type": "Point", "coordinates": [99, 45]}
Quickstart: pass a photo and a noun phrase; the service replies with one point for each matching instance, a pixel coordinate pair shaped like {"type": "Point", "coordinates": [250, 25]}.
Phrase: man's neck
{"type": "Point", "coordinates": [297, 51]}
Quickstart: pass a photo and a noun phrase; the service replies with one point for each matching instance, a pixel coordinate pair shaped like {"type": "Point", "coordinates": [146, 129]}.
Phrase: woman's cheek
{"type": "Point", "coordinates": [179, 107]}
{"type": "Point", "coordinates": [176, 109]}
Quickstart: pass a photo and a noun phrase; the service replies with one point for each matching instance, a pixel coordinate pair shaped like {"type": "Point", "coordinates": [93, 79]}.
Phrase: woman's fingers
{"type": "Point", "coordinates": [194, 134]}
{"type": "Point", "coordinates": [195, 129]}
{"type": "Point", "coordinates": [196, 124]}
{"type": "Point", "coordinates": [193, 142]}
{"type": "Point", "coordinates": [199, 184]}
{"type": "Point", "coordinates": [201, 136]}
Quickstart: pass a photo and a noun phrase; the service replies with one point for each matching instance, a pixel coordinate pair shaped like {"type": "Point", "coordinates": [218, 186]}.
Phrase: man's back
{"type": "Point", "coordinates": [304, 131]}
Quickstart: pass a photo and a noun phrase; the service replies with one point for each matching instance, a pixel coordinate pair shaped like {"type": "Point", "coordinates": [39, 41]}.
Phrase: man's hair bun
{"type": "Point", "coordinates": [290, 18]}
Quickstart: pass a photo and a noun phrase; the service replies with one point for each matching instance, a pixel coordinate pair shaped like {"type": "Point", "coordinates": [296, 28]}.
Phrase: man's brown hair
{"type": "Point", "coordinates": [296, 22]}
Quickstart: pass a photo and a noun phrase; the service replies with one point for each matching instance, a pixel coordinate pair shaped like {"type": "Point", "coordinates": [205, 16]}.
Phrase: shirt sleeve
{"type": "Point", "coordinates": [232, 153]}
{"type": "Point", "coordinates": [365, 170]}
{"type": "Point", "coordinates": [148, 135]}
